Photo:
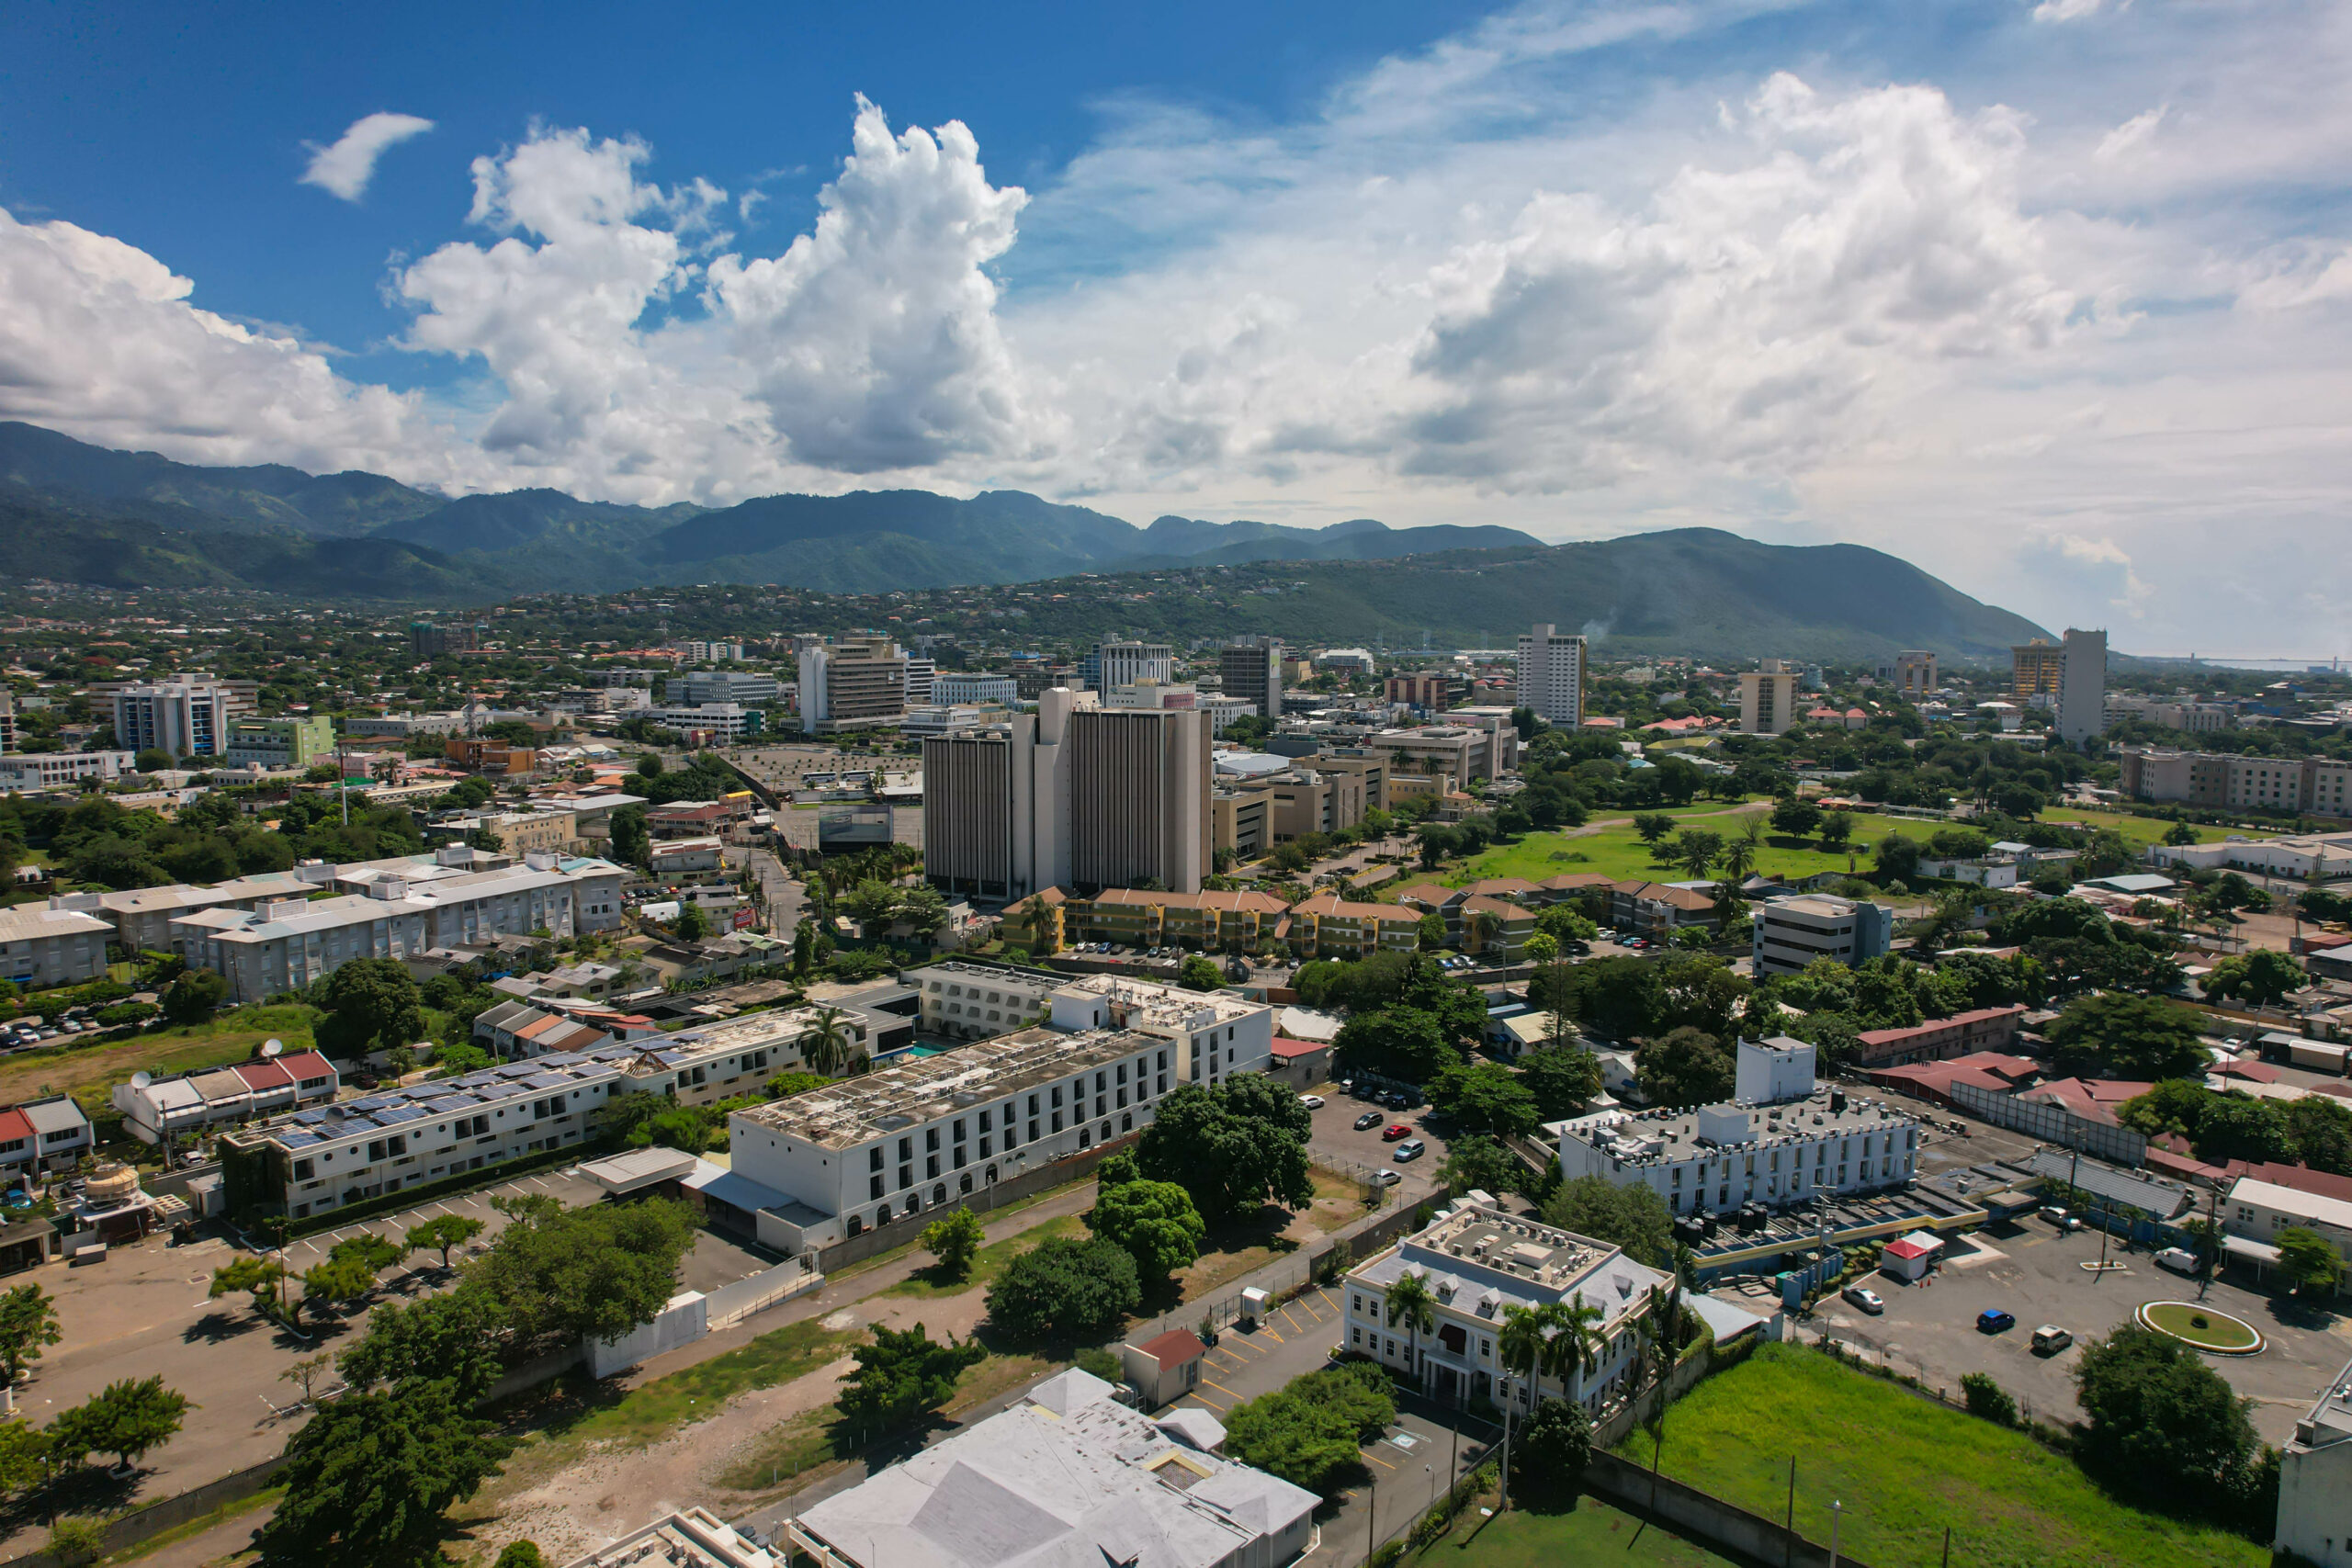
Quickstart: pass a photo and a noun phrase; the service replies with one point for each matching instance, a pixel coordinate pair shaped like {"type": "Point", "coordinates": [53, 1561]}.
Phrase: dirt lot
{"type": "Point", "coordinates": [2032, 1270]}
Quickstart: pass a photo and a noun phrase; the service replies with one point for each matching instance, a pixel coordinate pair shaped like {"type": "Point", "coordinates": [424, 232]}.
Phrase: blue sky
{"type": "Point", "coordinates": [2048, 295]}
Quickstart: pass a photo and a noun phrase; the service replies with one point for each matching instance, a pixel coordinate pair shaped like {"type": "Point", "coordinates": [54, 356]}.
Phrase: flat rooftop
{"type": "Point", "coordinates": [1640, 1136]}
{"type": "Point", "coordinates": [1146, 1002]}
{"type": "Point", "coordinates": [910, 1093]}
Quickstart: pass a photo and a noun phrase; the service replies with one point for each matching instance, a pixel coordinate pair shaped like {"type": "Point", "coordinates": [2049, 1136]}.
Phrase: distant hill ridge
{"type": "Point", "coordinates": [78, 513]}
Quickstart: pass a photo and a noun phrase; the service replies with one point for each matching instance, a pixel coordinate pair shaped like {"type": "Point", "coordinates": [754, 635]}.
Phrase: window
{"type": "Point", "coordinates": [873, 1189]}
{"type": "Point", "coordinates": [873, 1158]}
{"type": "Point", "coordinates": [931, 1165]}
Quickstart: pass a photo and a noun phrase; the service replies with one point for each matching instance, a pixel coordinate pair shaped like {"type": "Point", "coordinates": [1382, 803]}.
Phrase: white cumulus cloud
{"type": "Point", "coordinates": [346, 168]}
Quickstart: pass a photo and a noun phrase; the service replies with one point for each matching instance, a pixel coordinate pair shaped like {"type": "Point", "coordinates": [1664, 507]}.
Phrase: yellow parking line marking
{"type": "Point", "coordinates": [1220, 1388]}
{"type": "Point", "coordinates": [1381, 1463]}
{"type": "Point", "coordinates": [1275, 1335]}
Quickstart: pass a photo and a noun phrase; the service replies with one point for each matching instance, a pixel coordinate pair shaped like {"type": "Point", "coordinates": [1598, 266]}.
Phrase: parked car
{"type": "Point", "coordinates": [1386, 1179]}
{"type": "Point", "coordinates": [1993, 1320]}
{"type": "Point", "coordinates": [1369, 1118]}
{"type": "Point", "coordinates": [2049, 1339]}
{"type": "Point", "coordinates": [1312, 1102]}
{"type": "Point", "coordinates": [1411, 1148]}
{"type": "Point", "coordinates": [1396, 1130]}
{"type": "Point", "coordinates": [1862, 1296]}
{"type": "Point", "coordinates": [2180, 1260]}
{"type": "Point", "coordinates": [2057, 1216]}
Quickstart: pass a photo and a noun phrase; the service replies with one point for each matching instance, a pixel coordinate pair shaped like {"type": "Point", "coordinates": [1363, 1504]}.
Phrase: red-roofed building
{"type": "Point", "coordinates": [1932, 1081]}
{"type": "Point", "coordinates": [1300, 1063]}
{"type": "Point", "coordinates": [2094, 1100]}
{"type": "Point", "coordinates": [1940, 1039]}
{"type": "Point", "coordinates": [1164, 1370]}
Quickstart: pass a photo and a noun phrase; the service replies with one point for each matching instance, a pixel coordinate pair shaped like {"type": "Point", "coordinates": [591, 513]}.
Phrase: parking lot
{"type": "Point", "coordinates": [1335, 1141]}
{"type": "Point", "coordinates": [2035, 1271]}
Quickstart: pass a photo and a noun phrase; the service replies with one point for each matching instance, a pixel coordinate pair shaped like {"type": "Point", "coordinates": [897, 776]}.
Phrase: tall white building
{"type": "Point", "coordinates": [2082, 685]}
{"type": "Point", "coordinates": [1768, 699]}
{"type": "Point", "coordinates": [1125, 663]}
{"type": "Point", "coordinates": [187, 715]}
{"type": "Point", "coordinates": [1550, 675]}
{"type": "Point", "coordinates": [1068, 797]}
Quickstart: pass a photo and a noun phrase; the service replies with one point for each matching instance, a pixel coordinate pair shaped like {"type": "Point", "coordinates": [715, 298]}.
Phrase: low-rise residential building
{"type": "Point", "coordinates": [1480, 1261]}
{"type": "Point", "coordinates": [43, 1135]}
{"type": "Point", "coordinates": [969, 1000]}
{"type": "Point", "coordinates": [2256, 1212]}
{"type": "Point", "coordinates": [1661, 909]}
{"type": "Point", "coordinates": [923, 1133]}
{"type": "Point", "coordinates": [1782, 1139]}
{"type": "Point", "coordinates": [1225, 922]}
{"type": "Point", "coordinates": [285, 743]}
{"type": "Point", "coordinates": [716, 724]}
{"type": "Point", "coordinates": [1496, 929]}
{"type": "Point", "coordinates": [48, 770]}
{"type": "Point", "coordinates": [1068, 1477]}
{"type": "Point", "coordinates": [61, 943]}
{"type": "Point", "coordinates": [694, 1538]}
{"type": "Point", "coordinates": [1939, 1039]}
{"type": "Point", "coordinates": [2320, 785]}
{"type": "Point", "coordinates": [684, 857]}
{"type": "Point", "coordinates": [1327, 926]}
{"type": "Point", "coordinates": [161, 1108]}
{"type": "Point", "coordinates": [1790, 932]}
{"type": "Point", "coordinates": [143, 916]}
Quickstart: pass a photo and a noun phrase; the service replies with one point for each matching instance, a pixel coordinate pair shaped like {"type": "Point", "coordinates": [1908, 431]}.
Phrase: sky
{"type": "Point", "coordinates": [2052, 298]}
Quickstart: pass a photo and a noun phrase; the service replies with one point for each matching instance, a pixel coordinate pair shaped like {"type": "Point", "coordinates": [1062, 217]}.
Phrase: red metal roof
{"type": "Point", "coordinates": [15, 1124]}
{"type": "Point", "coordinates": [1174, 1348]}
{"type": "Point", "coordinates": [1286, 1047]}
{"type": "Point", "coordinates": [266, 1074]}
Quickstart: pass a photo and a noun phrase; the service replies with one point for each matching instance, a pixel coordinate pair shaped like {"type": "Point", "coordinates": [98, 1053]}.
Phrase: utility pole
{"type": "Point", "coordinates": [1837, 1512]}
{"type": "Point", "coordinates": [1372, 1523]}
{"type": "Point", "coordinates": [2212, 1239]}
{"type": "Point", "coordinates": [1788, 1546]}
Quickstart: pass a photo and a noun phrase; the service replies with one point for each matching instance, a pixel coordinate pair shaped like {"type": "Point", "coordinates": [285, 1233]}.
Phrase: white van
{"type": "Point", "coordinates": [2180, 1260]}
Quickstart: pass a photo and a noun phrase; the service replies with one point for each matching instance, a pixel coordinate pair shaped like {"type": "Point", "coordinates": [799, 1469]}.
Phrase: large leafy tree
{"type": "Point", "coordinates": [2311, 1261]}
{"type": "Point", "coordinates": [1404, 1043]}
{"type": "Point", "coordinates": [1155, 1222]}
{"type": "Point", "coordinates": [194, 997]}
{"type": "Point", "coordinates": [2160, 1422]}
{"type": "Point", "coordinates": [1234, 1147]}
{"type": "Point", "coordinates": [368, 1478]}
{"type": "Point", "coordinates": [1684, 1066]}
{"type": "Point", "coordinates": [598, 1272]}
{"type": "Point", "coordinates": [452, 1338]}
{"type": "Point", "coordinates": [1066, 1291]}
{"type": "Point", "coordinates": [28, 1322]}
{"type": "Point", "coordinates": [444, 1233]}
{"type": "Point", "coordinates": [954, 1240]}
{"type": "Point", "coordinates": [1563, 1079]}
{"type": "Point", "coordinates": [1311, 1431]}
{"type": "Point", "coordinates": [903, 1375]}
{"type": "Point", "coordinates": [1479, 1162]}
{"type": "Point", "coordinates": [1486, 1099]}
{"type": "Point", "coordinates": [2263, 978]}
{"type": "Point", "coordinates": [126, 1418]}
{"type": "Point", "coordinates": [1633, 1217]}
{"type": "Point", "coordinates": [1549, 1456]}
{"type": "Point", "coordinates": [2128, 1037]}
{"type": "Point", "coordinates": [371, 1004]}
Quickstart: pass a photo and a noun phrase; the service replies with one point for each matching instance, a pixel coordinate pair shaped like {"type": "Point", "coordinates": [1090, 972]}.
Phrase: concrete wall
{"type": "Point", "coordinates": [732, 1304]}
{"type": "Point", "coordinates": [1724, 1525]}
{"type": "Point", "coordinates": [866, 1243]}
{"type": "Point", "coordinates": [683, 1321]}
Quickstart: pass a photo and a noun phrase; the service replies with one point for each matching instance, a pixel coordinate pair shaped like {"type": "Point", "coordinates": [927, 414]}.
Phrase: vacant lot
{"type": "Point", "coordinates": [1907, 1469]}
{"type": "Point", "coordinates": [2147, 829]}
{"type": "Point", "coordinates": [89, 1073]}
{"type": "Point", "coordinates": [1613, 849]}
{"type": "Point", "coordinates": [1595, 1532]}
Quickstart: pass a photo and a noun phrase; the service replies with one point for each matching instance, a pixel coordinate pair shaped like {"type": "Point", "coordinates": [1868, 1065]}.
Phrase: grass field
{"type": "Point", "coordinates": [1617, 852]}
{"type": "Point", "coordinates": [2148, 830]}
{"type": "Point", "coordinates": [1595, 1532]}
{"type": "Point", "coordinates": [987, 1262]}
{"type": "Point", "coordinates": [89, 1073]}
{"type": "Point", "coordinates": [1905, 1469]}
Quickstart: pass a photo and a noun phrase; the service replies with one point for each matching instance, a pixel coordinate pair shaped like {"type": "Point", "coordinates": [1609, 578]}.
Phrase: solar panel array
{"type": "Point", "coordinates": [491, 1086]}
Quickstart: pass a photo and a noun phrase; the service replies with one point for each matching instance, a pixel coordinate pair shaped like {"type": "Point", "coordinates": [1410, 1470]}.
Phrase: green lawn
{"type": "Point", "coordinates": [1594, 1533]}
{"type": "Point", "coordinates": [2148, 830]}
{"type": "Point", "coordinates": [1905, 1469]}
{"type": "Point", "coordinates": [89, 1073]}
{"type": "Point", "coordinates": [1617, 852]}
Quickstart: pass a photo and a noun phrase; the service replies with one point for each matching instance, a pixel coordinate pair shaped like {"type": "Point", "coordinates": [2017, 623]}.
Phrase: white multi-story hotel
{"type": "Point", "coordinates": [926, 1133]}
{"type": "Point", "coordinates": [1217, 1035]}
{"type": "Point", "coordinates": [1478, 1261]}
{"type": "Point", "coordinates": [1550, 675]}
{"type": "Point", "coordinates": [971, 1001]}
{"type": "Point", "coordinates": [1781, 1139]}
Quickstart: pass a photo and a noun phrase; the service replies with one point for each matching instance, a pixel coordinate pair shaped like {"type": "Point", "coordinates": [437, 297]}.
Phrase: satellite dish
{"type": "Point", "coordinates": [272, 1047]}
{"type": "Point", "coordinates": [141, 1080]}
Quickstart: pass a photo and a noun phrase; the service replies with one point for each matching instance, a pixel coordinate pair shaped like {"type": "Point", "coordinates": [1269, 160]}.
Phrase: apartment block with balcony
{"type": "Point", "coordinates": [187, 715]}
{"type": "Point", "coordinates": [1327, 926]}
{"type": "Point", "coordinates": [973, 1001]}
{"type": "Point", "coordinates": [287, 742]}
{"type": "Point", "coordinates": [62, 943]}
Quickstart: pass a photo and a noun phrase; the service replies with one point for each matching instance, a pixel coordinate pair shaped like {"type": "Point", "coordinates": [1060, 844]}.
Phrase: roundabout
{"type": "Point", "coordinates": [2204, 1327]}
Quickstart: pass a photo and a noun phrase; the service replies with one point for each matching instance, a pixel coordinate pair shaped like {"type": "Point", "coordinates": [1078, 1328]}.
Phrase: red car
{"type": "Point", "coordinates": [1394, 1131]}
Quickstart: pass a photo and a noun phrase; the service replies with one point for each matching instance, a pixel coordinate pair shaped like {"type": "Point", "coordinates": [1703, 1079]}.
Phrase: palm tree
{"type": "Point", "coordinates": [1410, 1303]}
{"type": "Point", "coordinates": [1521, 1345]}
{"type": "Point", "coordinates": [826, 1048]}
{"type": "Point", "coordinates": [1739, 853]}
{"type": "Point", "coordinates": [1576, 1347]}
{"type": "Point", "coordinates": [1483, 924]}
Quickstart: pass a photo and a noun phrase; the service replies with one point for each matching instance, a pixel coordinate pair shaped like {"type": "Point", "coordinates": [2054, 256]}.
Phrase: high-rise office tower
{"type": "Point", "coordinates": [856, 682]}
{"type": "Point", "coordinates": [1253, 670]}
{"type": "Point", "coordinates": [187, 715]}
{"type": "Point", "coordinates": [2082, 685]}
{"type": "Point", "coordinates": [1550, 675]}
{"type": "Point", "coordinates": [1115, 664]}
{"type": "Point", "coordinates": [1914, 674]}
{"type": "Point", "coordinates": [1768, 699]}
{"type": "Point", "coordinates": [1068, 797]}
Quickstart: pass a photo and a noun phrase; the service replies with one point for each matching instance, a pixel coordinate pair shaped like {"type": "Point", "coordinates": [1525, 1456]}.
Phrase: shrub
{"type": "Point", "coordinates": [1987, 1400]}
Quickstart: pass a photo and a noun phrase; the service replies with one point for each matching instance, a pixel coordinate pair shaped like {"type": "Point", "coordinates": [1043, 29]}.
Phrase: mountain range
{"type": "Point", "coordinates": [72, 511]}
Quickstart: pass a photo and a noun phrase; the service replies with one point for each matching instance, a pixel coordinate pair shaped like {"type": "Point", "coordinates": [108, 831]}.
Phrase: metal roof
{"type": "Point", "coordinates": [2130, 1187]}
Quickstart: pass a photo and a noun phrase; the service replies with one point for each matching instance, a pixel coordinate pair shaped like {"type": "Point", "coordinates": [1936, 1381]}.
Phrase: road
{"type": "Point", "coordinates": [783, 898]}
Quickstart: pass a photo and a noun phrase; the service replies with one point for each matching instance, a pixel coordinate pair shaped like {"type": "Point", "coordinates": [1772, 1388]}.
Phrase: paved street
{"type": "Point", "coordinates": [783, 898]}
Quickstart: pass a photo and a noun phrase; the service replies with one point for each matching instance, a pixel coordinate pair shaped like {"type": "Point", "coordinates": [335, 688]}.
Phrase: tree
{"type": "Point", "coordinates": [1484, 1097]}
{"type": "Point", "coordinates": [1200, 974]}
{"type": "Point", "coordinates": [453, 1340]}
{"type": "Point", "coordinates": [597, 1272]}
{"type": "Point", "coordinates": [1480, 1163]}
{"type": "Point", "coordinates": [371, 1004]}
{"type": "Point", "coordinates": [1633, 1217]}
{"type": "Point", "coordinates": [901, 1375]}
{"type": "Point", "coordinates": [368, 1478]}
{"type": "Point", "coordinates": [1987, 1400]}
{"type": "Point", "coordinates": [444, 1233]}
{"type": "Point", "coordinates": [1837, 831]}
{"type": "Point", "coordinates": [1412, 1306]}
{"type": "Point", "coordinates": [2181, 834]}
{"type": "Point", "coordinates": [827, 1047]}
{"type": "Point", "coordinates": [2128, 1036]}
{"type": "Point", "coordinates": [1405, 1043]}
{"type": "Point", "coordinates": [2311, 1261]}
{"type": "Point", "coordinates": [2321, 1126]}
{"type": "Point", "coordinates": [126, 1418]}
{"type": "Point", "coordinates": [783, 1086]}
{"type": "Point", "coordinates": [953, 1239]}
{"type": "Point", "coordinates": [648, 764]}
{"type": "Point", "coordinates": [1234, 1146]}
{"type": "Point", "coordinates": [339, 1279]}
{"type": "Point", "coordinates": [257, 1277]}
{"type": "Point", "coordinates": [521, 1554]}
{"type": "Point", "coordinates": [1154, 1221]}
{"type": "Point", "coordinates": [692, 924]}
{"type": "Point", "coordinates": [194, 997]}
{"type": "Point", "coordinates": [1549, 1457]}
{"type": "Point", "coordinates": [76, 1540]}
{"type": "Point", "coordinates": [2263, 978]}
{"type": "Point", "coordinates": [1898, 858]}
{"type": "Point", "coordinates": [1430, 931]}
{"type": "Point", "coordinates": [632, 840]}
{"type": "Point", "coordinates": [1797, 817]}
{"type": "Point", "coordinates": [2161, 1423]}
{"type": "Point", "coordinates": [1064, 1289]}
{"type": "Point", "coordinates": [872, 904]}
{"type": "Point", "coordinates": [24, 1457]}
{"type": "Point", "coordinates": [153, 760]}
{"type": "Point", "coordinates": [1563, 1079]}
{"type": "Point", "coordinates": [1696, 850]}
{"type": "Point", "coordinates": [1652, 826]}
{"type": "Point", "coordinates": [1311, 1432]}
{"type": "Point", "coordinates": [1682, 1067]}
{"type": "Point", "coordinates": [28, 1322]}
{"type": "Point", "coordinates": [306, 1372]}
